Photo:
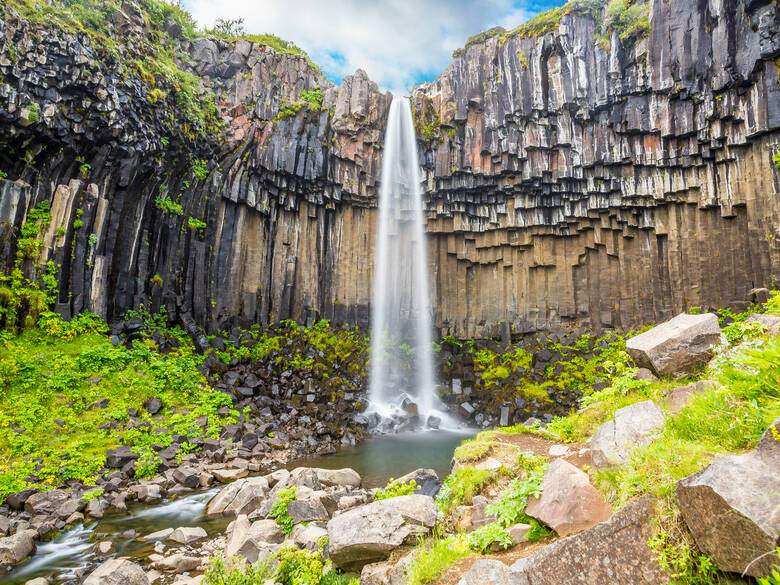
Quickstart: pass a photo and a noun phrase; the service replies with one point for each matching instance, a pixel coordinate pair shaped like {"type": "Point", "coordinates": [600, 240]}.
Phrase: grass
{"type": "Point", "coordinates": [435, 555]}
{"type": "Point", "coordinates": [462, 485]}
{"type": "Point", "coordinates": [472, 450]}
{"type": "Point", "coordinates": [53, 379]}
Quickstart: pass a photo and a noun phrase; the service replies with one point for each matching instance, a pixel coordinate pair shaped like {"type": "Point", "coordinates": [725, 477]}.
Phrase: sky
{"type": "Point", "coordinates": [399, 43]}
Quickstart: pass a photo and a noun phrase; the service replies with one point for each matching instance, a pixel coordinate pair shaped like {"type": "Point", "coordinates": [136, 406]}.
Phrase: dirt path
{"type": "Point", "coordinates": [539, 446]}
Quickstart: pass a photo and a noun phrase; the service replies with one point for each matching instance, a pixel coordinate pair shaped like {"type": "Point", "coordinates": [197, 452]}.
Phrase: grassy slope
{"type": "Point", "coordinates": [722, 421]}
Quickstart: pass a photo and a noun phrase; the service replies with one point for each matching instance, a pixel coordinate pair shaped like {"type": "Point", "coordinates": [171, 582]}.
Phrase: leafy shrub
{"type": "Point", "coordinates": [394, 489]}
{"type": "Point", "coordinates": [279, 509]}
{"type": "Point", "coordinates": [462, 485]}
{"type": "Point", "coordinates": [199, 168]}
{"type": "Point", "coordinates": [739, 331]}
{"type": "Point", "coordinates": [165, 204]}
{"type": "Point", "coordinates": [494, 533]}
{"type": "Point", "coordinates": [299, 566]}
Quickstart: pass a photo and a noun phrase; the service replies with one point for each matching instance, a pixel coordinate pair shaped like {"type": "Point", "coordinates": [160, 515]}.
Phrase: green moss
{"type": "Point", "coordinates": [472, 450]}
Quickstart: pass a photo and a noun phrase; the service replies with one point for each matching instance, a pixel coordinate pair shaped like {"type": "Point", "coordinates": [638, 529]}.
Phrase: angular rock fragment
{"type": "Point", "coordinates": [568, 503]}
{"type": "Point", "coordinates": [614, 552]}
{"type": "Point", "coordinates": [732, 507]}
{"type": "Point", "coordinates": [370, 532]}
{"type": "Point", "coordinates": [677, 347]}
{"type": "Point", "coordinates": [633, 426]}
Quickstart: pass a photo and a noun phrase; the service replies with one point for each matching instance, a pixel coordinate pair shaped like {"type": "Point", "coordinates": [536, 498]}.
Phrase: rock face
{"type": "Point", "coordinates": [633, 426]}
{"type": "Point", "coordinates": [568, 503]}
{"type": "Point", "coordinates": [732, 507]}
{"type": "Point", "coordinates": [614, 552]}
{"type": "Point", "coordinates": [369, 533]}
{"type": "Point", "coordinates": [677, 347]}
{"type": "Point", "coordinates": [565, 182]}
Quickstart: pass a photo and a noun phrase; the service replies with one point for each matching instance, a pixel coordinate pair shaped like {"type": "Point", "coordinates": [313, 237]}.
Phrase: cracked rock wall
{"type": "Point", "coordinates": [566, 184]}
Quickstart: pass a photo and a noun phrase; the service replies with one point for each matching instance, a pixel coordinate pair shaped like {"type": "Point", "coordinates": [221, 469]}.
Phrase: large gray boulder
{"type": "Point", "coordinates": [17, 547]}
{"type": "Point", "coordinates": [568, 503]}
{"type": "Point", "coordinates": [677, 347]}
{"type": "Point", "coordinates": [370, 532]}
{"type": "Point", "coordinates": [633, 426]}
{"type": "Point", "coordinates": [118, 572]}
{"type": "Point", "coordinates": [240, 497]}
{"type": "Point", "coordinates": [732, 507]}
{"type": "Point", "coordinates": [614, 552]}
{"type": "Point", "coordinates": [338, 477]}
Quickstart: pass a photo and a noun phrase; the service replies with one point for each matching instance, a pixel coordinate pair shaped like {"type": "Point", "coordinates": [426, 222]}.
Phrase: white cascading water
{"type": "Point", "coordinates": [401, 309]}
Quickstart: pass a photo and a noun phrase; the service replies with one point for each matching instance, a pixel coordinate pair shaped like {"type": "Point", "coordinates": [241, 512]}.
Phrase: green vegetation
{"type": "Point", "coordinates": [472, 450]}
{"type": "Point", "coordinates": [462, 485]}
{"type": "Point", "coordinates": [232, 30]}
{"type": "Point", "coordinates": [164, 203]}
{"type": "Point", "coordinates": [199, 168]}
{"type": "Point", "coordinates": [488, 536]}
{"type": "Point", "coordinates": [53, 425]}
{"type": "Point", "coordinates": [279, 509]}
{"type": "Point", "coordinates": [434, 556]}
{"type": "Point", "coordinates": [309, 99]}
{"type": "Point", "coordinates": [290, 566]}
{"type": "Point", "coordinates": [395, 488]}
{"type": "Point", "coordinates": [196, 224]}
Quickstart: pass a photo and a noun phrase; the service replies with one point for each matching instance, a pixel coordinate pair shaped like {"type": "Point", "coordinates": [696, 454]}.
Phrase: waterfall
{"type": "Point", "coordinates": [401, 308]}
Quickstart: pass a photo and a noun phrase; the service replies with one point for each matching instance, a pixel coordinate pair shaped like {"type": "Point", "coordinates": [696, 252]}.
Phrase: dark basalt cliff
{"type": "Point", "coordinates": [566, 183]}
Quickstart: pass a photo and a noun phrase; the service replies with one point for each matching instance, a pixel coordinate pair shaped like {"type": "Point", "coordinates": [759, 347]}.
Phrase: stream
{"type": "Point", "coordinates": [376, 459]}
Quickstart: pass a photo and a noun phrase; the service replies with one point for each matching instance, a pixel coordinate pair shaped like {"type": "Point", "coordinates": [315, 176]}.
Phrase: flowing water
{"type": "Point", "coordinates": [376, 459]}
{"type": "Point", "coordinates": [401, 307]}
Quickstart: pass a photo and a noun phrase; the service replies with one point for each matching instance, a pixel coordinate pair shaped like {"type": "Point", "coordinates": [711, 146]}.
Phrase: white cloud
{"type": "Point", "coordinates": [397, 42]}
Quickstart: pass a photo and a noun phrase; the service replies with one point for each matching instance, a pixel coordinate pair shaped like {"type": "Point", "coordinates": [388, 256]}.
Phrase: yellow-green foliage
{"type": "Point", "coordinates": [394, 489]}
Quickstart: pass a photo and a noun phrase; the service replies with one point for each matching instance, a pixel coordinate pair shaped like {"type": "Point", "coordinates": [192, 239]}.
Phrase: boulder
{"type": "Point", "coordinates": [254, 542]}
{"type": "Point", "coordinates": [117, 572]}
{"type": "Point", "coordinates": [633, 426]}
{"type": "Point", "coordinates": [229, 475]}
{"type": "Point", "coordinates": [240, 497]}
{"type": "Point", "coordinates": [119, 457]}
{"type": "Point", "coordinates": [488, 572]}
{"type": "Point", "coordinates": [187, 534]}
{"type": "Point", "coordinates": [178, 563]}
{"type": "Point", "coordinates": [149, 492]}
{"type": "Point", "coordinates": [308, 536]}
{"type": "Point", "coordinates": [677, 347]}
{"type": "Point", "coordinates": [732, 507]}
{"type": "Point", "coordinates": [159, 535]}
{"type": "Point", "coordinates": [614, 552]}
{"type": "Point", "coordinates": [376, 573]}
{"type": "Point", "coordinates": [338, 477]}
{"type": "Point", "coordinates": [370, 532]}
{"type": "Point", "coordinates": [308, 509]}
{"type": "Point", "coordinates": [187, 476]}
{"type": "Point", "coordinates": [519, 533]}
{"type": "Point", "coordinates": [771, 323]}
{"type": "Point", "coordinates": [568, 503]}
{"type": "Point", "coordinates": [48, 503]}
{"type": "Point", "coordinates": [17, 547]}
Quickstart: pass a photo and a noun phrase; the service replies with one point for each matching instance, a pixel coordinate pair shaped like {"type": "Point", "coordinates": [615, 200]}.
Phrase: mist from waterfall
{"type": "Point", "coordinates": [401, 307]}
